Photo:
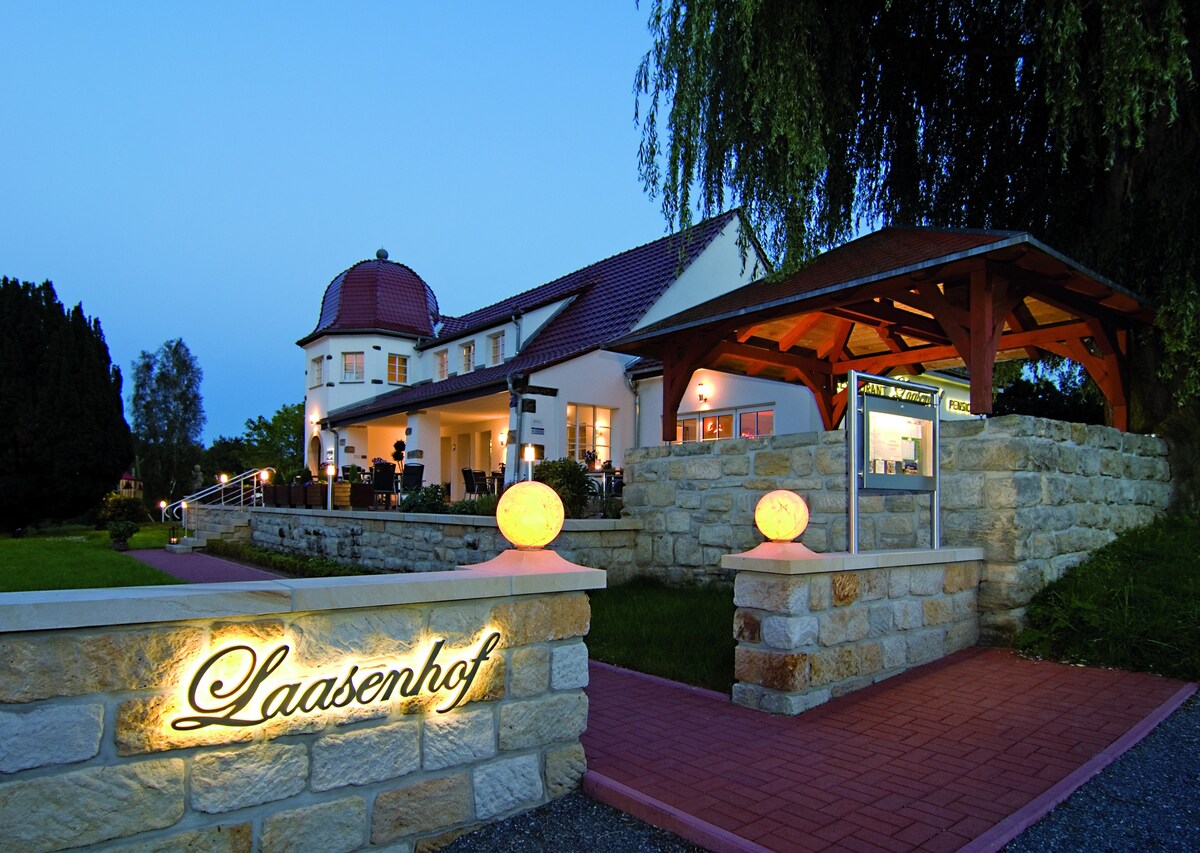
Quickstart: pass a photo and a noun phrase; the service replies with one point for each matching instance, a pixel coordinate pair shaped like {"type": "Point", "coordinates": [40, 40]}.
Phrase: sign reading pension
{"type": "Point", "coordinates": [240, 686]}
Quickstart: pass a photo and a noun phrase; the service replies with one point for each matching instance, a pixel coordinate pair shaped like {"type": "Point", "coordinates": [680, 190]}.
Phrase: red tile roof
{"type": "Point", "coordinates": [377, 295]}
{"type": "Point", "coordinates": [609, 297]}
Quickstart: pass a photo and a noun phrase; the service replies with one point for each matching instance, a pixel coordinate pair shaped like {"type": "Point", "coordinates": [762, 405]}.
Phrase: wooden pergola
{"type": "Point", "coordinates": [904, 300]}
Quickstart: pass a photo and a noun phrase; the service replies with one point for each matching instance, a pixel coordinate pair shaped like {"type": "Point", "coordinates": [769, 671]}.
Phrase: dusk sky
{"type": "Point", "coordinates": [204, 171]}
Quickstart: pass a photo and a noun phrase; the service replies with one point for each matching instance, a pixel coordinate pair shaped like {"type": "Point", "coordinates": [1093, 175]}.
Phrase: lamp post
{"type": "Point", "coordinates": [183, 506]}
{"type": "Point", "coordinates": [529, 453]}
{"type": "Point", "coordinates": [162, 510]}
{"type": "Point", "coordinates": [330, 469]}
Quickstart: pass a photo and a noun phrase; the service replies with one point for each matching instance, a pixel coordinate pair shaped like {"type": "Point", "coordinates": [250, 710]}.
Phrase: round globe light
{"type": "Point", "coordinates": [781, 515]}
{"type": "Point", "coordinates": [529, 514]}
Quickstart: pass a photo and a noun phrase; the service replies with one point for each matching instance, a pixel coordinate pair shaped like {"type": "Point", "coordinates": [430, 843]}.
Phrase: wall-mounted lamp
{"type": "Point", "coordinates": [504, 439]}
{"type": "Point", "coordinates": [702, 392]}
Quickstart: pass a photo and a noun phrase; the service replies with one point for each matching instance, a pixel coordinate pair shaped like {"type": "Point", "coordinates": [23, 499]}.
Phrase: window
{"type": "Point", "coordinates": [468, 357]}
{"type": "Point", "coordinates": [316, 373]}
{"type": "Point", "coordinates": [753, 424]}
{"type": "Point", "coordinates": [716, 426]}
{"type": "Point", "coordinates": [443, 364]}
{"type": "Point", "coordinates": [589, 434]}
{"type": "Point", "coordinates": [352, 367]}
{"type": "Point", "coordinates": [397, 369]}
{"type": "Point", "coordinates": [497, 341]}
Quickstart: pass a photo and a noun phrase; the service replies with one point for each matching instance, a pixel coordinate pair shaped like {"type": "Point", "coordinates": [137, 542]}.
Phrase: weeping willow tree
{"type": "Point", "coordinates": [1077, 120]}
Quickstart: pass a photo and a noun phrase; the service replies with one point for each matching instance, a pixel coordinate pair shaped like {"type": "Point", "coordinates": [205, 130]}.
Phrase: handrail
{"type": "Point", "coordinates": [243, 490]}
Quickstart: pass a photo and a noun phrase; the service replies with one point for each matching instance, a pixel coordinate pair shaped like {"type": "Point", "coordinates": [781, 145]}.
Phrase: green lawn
{"type": "Point", "coordinates": [77, 557]}
{"type": "Point", "coordinates": [681, 633]}
{"type": "Point", "coordinates": [1135, 604]}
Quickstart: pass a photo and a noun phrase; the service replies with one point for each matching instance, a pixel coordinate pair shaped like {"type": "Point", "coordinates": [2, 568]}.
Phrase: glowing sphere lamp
{"type": "Point", "coordinates": [781, 516]}
{"type": "Point", "coordinates": [529, 514]}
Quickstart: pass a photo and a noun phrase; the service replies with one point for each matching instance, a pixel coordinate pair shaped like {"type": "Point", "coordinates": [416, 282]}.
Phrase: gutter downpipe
{"type": "Point", "coordinates": [632, 385]}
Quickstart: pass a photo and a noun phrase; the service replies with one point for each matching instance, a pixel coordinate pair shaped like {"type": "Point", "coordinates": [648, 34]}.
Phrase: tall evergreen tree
{"type": "Point", "coordinates": [1076, 120]}
{"type": "Point", "coordinates": [70, 442]}
{"type": "Point", "coordinates": [168, 415]}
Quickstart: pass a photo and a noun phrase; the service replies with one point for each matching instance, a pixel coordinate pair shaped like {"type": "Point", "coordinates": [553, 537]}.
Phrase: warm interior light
{"type": "Point", "coordinates": [781, 515]}
{"type": "Point", "coordinates": [530, 514]}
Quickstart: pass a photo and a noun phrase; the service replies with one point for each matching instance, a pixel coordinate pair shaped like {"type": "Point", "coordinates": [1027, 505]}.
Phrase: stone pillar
{"type": "Point", "coordinates": [809, 630]}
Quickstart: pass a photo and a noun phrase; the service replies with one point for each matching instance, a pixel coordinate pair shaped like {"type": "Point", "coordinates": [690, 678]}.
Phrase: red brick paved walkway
{"type": "Point", "coordinates": [966, 751]}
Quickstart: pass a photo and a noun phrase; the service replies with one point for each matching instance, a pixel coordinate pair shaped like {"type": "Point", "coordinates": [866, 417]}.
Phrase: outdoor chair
{"type": "Point", "coordinates": [482, 485]}
{"type": "Point", "coordinates": [469, 482]}
{"type": "Point", "coordinates": [383, 483]}
{"type": "Point", "coordinates": [412, 477]}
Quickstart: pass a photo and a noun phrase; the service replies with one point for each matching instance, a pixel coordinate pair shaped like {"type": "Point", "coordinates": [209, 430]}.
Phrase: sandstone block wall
{"type": "Point", "coordinates": [87, 758]}
{"type": "Point", "coordinates": [412, 542]}
{"type": "Point", "coordinates": [806, 638]}
{"type": "Point", "coordinates": [1037, 495]}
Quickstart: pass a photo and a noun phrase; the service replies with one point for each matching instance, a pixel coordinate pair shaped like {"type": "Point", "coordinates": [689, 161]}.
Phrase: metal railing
{"type": "Point", "coordinates": [241, 491]}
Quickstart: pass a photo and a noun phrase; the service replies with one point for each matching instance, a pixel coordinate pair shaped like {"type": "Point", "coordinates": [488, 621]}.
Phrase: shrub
{"type": "Point", "coordinates": [120, 532]}
{"type": "Point", "coordinates": [482, 505]}
{"type": "Point", "coordinates": [1134, 604]}
{"type": "Point", "coordinates": [570, 479]}
{"type": "Point", "coordinates": [611, 506]}
{"type": "Point", "coordinates": [116, 507]}
{"type": "Point", "coordinates": [303, 475]}
{"type": "Point", "coordinates": [428, 499]}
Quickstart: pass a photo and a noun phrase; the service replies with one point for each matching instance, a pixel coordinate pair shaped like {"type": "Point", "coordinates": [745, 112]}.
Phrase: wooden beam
{"type": "Point", "coordinates": [799, 329]}
{"type": "Point", "coordinates": [769, 356]}
{"type": "Point", "coordinates": [680, 360]}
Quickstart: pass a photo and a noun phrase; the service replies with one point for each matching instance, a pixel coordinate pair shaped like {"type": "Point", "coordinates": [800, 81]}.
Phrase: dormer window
{"type": "Point", "coordinates": [443, 364]}
{"type": "Point", "coordinates": [468, 357]}
{"type": "Point", "coordinates": [497, 346]}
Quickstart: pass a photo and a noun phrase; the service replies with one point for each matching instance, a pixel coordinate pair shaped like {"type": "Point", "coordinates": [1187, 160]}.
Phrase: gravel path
{"type": "Point", "coordinates": [1148, 799]}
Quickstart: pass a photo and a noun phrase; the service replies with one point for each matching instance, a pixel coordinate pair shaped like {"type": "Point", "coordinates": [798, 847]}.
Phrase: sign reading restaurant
{"type": "Point", "coordinates": [233, 688]}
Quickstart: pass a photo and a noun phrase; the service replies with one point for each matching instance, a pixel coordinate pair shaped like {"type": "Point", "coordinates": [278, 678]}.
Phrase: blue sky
{"type": "Point", "coordinates": [204, 171]}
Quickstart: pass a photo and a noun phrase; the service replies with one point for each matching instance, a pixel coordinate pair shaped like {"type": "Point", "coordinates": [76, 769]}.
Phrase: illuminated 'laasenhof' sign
{"type": "Point", "coordinates": [255, 698]}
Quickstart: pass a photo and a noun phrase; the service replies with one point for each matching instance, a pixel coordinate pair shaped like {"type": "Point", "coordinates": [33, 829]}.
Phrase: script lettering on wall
{"type": "Point", "coordinates": [240, 686]}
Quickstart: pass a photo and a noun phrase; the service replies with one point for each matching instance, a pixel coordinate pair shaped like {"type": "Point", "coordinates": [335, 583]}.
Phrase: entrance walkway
{"type": "Point", "coordinates": [200, 568]}
{"type": "Point", "coordinates": [964, 753]}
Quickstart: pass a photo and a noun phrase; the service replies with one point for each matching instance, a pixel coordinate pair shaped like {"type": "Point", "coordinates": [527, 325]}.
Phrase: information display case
{"type": "Point", "coordinates": [891, 443]}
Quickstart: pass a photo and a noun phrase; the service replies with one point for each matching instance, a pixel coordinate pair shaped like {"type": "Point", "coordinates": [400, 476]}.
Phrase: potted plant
{"type": "Point", "coordinates": [398, 452]}
{"type": "Point", "coordinates": [296, 491]}
{"type": "Point", "coordinates": [120, 532]}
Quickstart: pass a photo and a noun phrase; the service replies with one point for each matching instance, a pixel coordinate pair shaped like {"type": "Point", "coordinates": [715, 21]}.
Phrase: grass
{"type": "Point", "coordinates": [1134, 604]}
{"type": "Point", "coordinates": [77, 557]}
{"type": "Point", "coordinates": [681, 633]}
{"type": "Point", "coordinates": [292, 565]}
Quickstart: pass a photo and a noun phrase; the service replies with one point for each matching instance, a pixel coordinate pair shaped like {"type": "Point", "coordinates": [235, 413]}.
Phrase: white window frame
{"type": "Point", "coordinates": [496, 342]}
{"type": "Point", "coordinates": [402, 362]}
{"type": "Point", "coordinates": [358, 375]}
{"type": "Point", "coordinates": [316, 372]}
{"type": "Point", "coordinates": [468, 356]}
{"type": "Point", "coordinates": [443, 363]}
{"type": "Point", "coordinates": [735, 430]}
{"type": "Point", "coordinates": [600, 445]}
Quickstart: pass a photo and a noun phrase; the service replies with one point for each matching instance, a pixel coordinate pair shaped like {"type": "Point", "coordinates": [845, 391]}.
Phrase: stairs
{"type": "Point", "coordinates": [230, 525]}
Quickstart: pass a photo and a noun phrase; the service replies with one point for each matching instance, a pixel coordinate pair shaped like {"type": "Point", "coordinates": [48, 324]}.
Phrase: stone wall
{"type": "Point", "coordinates": [420, 542]}
{"type": "Point", "coordinates": [812, 630]}
{"type": "Point", "coordinates": [91, 680]}
{"type": "Point", "coordinates": [1037, 495]}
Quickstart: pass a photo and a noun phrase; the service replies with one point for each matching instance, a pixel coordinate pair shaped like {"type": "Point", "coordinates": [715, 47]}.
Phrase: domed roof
{"type": "Point", "coordinates": [378, 295]}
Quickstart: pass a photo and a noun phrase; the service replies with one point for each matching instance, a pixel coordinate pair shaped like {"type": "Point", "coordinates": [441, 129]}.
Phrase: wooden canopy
{"type": "Point", "coordinates": [904, 300]}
